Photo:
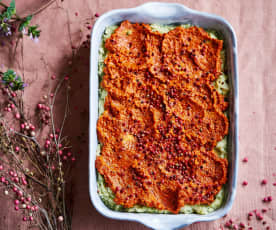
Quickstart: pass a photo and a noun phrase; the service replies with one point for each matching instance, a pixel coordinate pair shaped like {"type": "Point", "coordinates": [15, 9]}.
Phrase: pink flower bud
{"type": "Point", "coordinates": [16, 202]}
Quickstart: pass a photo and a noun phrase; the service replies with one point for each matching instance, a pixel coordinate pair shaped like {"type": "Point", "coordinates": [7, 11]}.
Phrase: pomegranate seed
{"type": "Point", "coordinates": [244, 183]}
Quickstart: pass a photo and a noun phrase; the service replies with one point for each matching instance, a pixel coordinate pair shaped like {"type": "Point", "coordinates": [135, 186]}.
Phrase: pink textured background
{"type": "Point", "coordinates": [255, 24]}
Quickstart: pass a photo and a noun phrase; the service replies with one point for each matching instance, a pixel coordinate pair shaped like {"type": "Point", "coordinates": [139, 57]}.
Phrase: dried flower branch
{"type": "Point", "coordinates": [32, 173]}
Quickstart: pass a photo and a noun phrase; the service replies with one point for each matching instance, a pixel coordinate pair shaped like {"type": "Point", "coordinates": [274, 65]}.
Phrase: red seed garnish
{"type": "Point", "coordinates": [259, 216]}
{"type": "Point", "coordinates": [274, 184]}
{"type": "Point", "coordinates": [97, 15]}
{"type": "Point", "coordinates": [245, 160]}
{"type": "Point", "coordinates": [264, 182]}
{"type": "Point", "coordinates": [264, 210]}
{"type": "Point", "coordinates": [242, 225]}
{"type": "Point", "coordinates": [244, 183]}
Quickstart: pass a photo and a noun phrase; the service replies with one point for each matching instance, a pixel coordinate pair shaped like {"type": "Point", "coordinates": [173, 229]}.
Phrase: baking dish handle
{"type": "Point", "coordinates": [164, 10]}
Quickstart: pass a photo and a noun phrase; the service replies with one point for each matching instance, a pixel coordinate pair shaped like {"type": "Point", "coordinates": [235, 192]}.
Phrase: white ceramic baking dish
{"type": "Point", "coordinates": [166, 13]}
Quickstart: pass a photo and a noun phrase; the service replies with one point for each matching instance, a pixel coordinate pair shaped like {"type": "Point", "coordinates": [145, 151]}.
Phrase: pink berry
{"type": "Point", "coordinates": [69, 154]}
{"type": "Point", "coordinates": [22, 126]}
{"type": "Point", "coordinates": [24, 218]}
{"type": "Point", "coordinates": [60, 152]}
{"type": "Point", "coordinates": [16, 202]}
{"type": "Point", "coordinates": [14, 189]}
{"type": "Point", "coordinates": [17, 116]}
{"type": "Point", "coordinates": [65, 158]}
{"type": "Point", "coordinates": [12, 106]}
{"type": "Point", "coordinates": [16, 208]}
{"type": "Point", "coordinates": [20, 193]}
{"type": "Point", "coordinates": [16, 148]}
{"type": "Point", "coordinates": [47, 142]}
{"type": "Point", "coordinates": [31, 218]}
{"type": "Point", "coordinates": [89, 27]}
{"type": "Point", "coordinates": [264, 210]}
{"type": "Point", "coordinates": [274, 184]}
{"type": "Point", "coordinates": [8, 109]}
{"type": "Point", "coordinates": [245, 160]}
{"type": "Point", "coordinates": [259, 216]}
{"type": "Point", "coordinates": [269, 198]}
{"type": "Point", "coordinates": [97, 15]}
{"type": "Point", "coordinates": [264, 182]}
{"type": "Point", "coordinates": [28, 207]}
{"type": "Point", "coordinates": [53, 77]}
{"type": "Point", "coordinates": [1, 167]}
{"type": "Point", "coordinates": [3, 179]}
{"type": "Point", "coordinates": [73, 159]}
{"type": "Point", "coordinates": [242, 224]}
{"type": "Point", "coordinates": [244, 183]}
{"type": "Point", "coordinates": [29, 199]}
{"type": "Point", "coordinates": [39, 106]}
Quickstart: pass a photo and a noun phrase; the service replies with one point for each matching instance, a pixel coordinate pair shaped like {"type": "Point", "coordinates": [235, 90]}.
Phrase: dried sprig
{"type": "Point", "coordinates": [33, 171]}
